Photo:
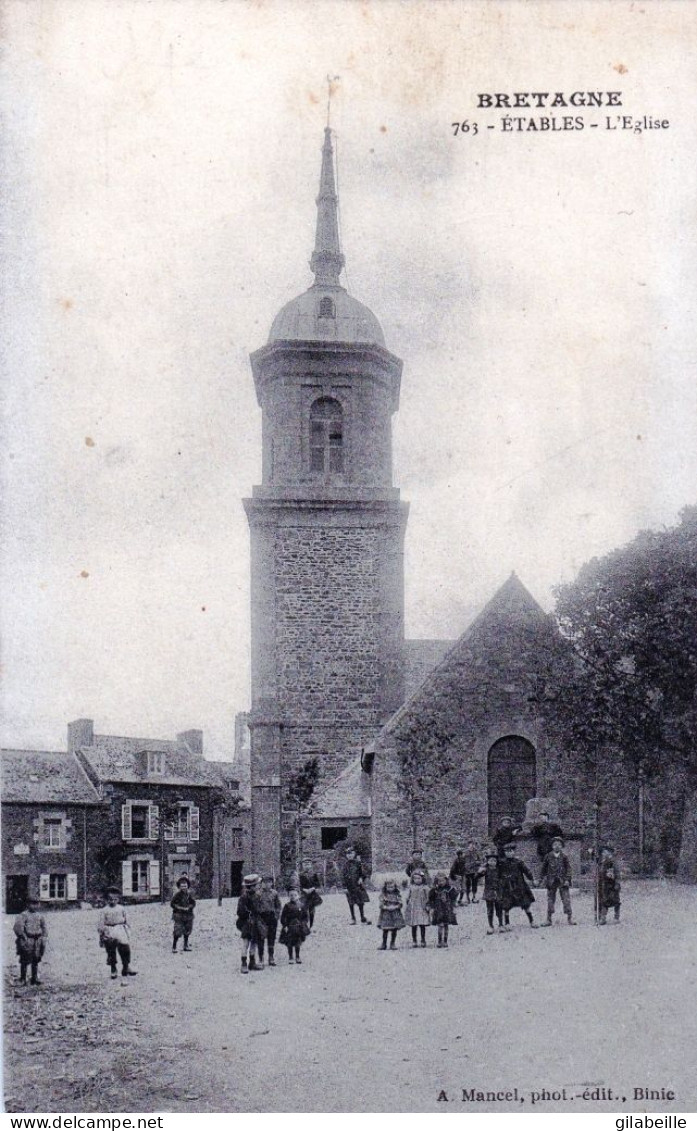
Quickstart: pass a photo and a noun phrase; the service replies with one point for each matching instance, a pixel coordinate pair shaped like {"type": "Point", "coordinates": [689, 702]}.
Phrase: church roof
{"type": "Point", "coordinates": [511, 604]}
{"type": "Point", "coordinates": [420, 658]}
{"type": "Point", "coordinates": [348, 795]}
{"type": "Point", "coordinates": [302, 319]}
{"type": "Point", "coordinates": [326, 312]}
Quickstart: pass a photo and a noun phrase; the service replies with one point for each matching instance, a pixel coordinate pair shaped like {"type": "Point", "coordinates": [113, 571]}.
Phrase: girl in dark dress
{"type": "Point", "coordinates": [182, 904]}
{"type": "Point", "coordinates": [441, 900]}
{"type": "Point", "coordinates": [515, 878]}
{"type": "Point", "coordinates": [391, 919]}
{"type": "Point", "coordinates": [294, 927]}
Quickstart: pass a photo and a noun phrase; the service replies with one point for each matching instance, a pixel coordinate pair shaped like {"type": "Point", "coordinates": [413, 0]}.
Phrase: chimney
{"type": "Point", "coordinates": [193, 739]}
{"type": "Point", "coordinates": [80, 733]}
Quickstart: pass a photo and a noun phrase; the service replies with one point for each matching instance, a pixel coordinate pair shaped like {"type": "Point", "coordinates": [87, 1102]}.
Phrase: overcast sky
{"type": "Point", "coordinates": [160, 180]}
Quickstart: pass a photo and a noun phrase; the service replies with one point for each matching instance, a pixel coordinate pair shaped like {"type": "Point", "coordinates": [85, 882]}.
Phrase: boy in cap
{"type": "Point", "coordinates": [492, 890]}
{"type": "Point", "coordinates": [114, 934]}
{"type": "Point", "coordinates": [608, 886]}
{"type": "Point", "coordinates": [270, 911]}
{"type": "Point", "coordinates": [182, 904]}
{"type": "Point", "coordinates": [556, 877]}
{"type": "Point", "coordinates": [250, 923]}
{"type": "Point", "coordinates": [30, 941]}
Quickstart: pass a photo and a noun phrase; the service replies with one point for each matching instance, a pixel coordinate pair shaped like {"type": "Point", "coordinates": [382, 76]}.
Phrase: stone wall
{"type": "Point", "coordinates": [487, 688]}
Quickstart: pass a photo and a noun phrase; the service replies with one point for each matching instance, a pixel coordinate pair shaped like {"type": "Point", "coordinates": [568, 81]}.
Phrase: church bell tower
{"type": "Point", "coordinates": [327, 536]}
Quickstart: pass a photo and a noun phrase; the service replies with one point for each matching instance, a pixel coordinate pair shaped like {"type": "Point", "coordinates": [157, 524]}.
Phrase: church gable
{"type": "Point", "coordinates": [477, 739]}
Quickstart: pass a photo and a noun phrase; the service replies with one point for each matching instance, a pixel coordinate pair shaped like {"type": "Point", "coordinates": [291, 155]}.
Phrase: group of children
{"type": "Point", "coordinates": [506, 885]}
{"type": "Point", "coordinates": [426, 905]}
{"type": "Point", "coordinates": [259, 912]}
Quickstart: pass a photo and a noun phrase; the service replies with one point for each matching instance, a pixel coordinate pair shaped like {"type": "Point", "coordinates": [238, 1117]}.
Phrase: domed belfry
{"type": "Point", "coordinates": [327, 536]}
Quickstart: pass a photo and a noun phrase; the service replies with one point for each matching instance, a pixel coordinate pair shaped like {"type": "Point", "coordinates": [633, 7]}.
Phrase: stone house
{"type": "Point", "coordinates": [51, 816]}
{"type": "Point", "coordinates": [162, 797]}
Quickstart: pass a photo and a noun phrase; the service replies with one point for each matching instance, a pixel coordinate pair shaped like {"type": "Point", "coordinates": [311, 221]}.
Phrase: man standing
{"type": "Point", "coordinates": [31, 934]}
{"type": "Point", "coordinates": [353, 878]}
{"type": "Point", "coordinates": [556, 877]}
{"type": "Point", "coordinates": [544, 833]}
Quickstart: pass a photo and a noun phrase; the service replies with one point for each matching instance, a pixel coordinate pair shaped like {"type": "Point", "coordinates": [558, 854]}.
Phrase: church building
{"type": "Point", "coordinates": [342, 706]}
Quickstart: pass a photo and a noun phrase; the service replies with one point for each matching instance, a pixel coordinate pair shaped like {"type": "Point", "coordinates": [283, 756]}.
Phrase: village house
{"type": "Point", "coordinates": [51, 815]}
{"type": "Point", "coordinates": [134, 812]}
{"type": "Point", "coordinates": [162, 797]}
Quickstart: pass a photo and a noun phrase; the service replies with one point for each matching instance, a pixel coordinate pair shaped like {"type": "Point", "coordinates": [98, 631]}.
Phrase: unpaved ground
{"type": "Point", "coordinates": [356, 1030]}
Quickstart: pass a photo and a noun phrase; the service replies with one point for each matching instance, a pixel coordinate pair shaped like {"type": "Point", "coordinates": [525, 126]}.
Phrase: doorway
{"type": "Point", "coordinates": [16, 894]}
{"type": "Point", "coordinates": [236, 871]}
{"type": "Point", "coordinates": [180, 866]}
{"type": "Point", "coordinates": [512, 779]}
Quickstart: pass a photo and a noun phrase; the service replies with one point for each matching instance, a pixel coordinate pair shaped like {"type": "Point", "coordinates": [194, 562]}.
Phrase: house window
{"type": "Point", "coordinates": [326, 435]}
{"type": "Point", "coordinates": [326, 308]}
{"type": "Point", "coordinates": [236, 839]}
{"type": "Point", "coordinates": [155, 762]}
{"type": "Point", "coordinates": [333, 835]}
{"type": "Point", "coordinates": [57, 886]}
{"type": "Point", "coordinates": [140, 820]}
{"type": "Point", "coordinates": [184, 823]}
{"type": "Point", "coordinates": [140, 877]}
{"type": "Point", "coordinates": [53, 827]}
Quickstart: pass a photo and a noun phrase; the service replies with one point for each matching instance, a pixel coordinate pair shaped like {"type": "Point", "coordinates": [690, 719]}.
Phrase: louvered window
{"type": "Point", "coordinates": [326, 436]}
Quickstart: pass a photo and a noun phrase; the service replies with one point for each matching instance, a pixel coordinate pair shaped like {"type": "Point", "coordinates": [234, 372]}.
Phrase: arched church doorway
{"type": "Point", "coordinates": [512, 779]}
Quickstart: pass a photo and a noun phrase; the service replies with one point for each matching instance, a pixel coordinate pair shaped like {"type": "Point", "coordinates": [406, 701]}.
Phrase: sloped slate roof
{"type": "Point", "coordinates": [348, 795]}
{"type": "Point", "coordinates": [511, 603]}
{"type": "Point", "coordinates": [113, 758]}
{"type": "Point", "coordinates": [420, 658]}
{"type": "Point", "coordinates": [43, 777]}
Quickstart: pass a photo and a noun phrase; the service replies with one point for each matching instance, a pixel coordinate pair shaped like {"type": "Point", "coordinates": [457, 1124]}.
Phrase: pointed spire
{"type": "Point", "coordinates": [327, 260]}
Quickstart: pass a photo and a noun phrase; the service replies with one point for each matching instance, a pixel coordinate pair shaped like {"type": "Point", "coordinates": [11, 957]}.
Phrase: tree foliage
{"type": "Point", "coordinates": [631, 617]}
{"type": "Point", "coordinates": [302, 784]}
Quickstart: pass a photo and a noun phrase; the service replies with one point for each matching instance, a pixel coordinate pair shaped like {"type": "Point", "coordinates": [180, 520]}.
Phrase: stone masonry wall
{"type": "Point", "coordinates": [488, 689]}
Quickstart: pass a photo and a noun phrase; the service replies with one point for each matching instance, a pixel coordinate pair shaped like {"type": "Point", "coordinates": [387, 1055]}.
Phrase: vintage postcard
{"type": "Point", "coordinates": [350, 557]}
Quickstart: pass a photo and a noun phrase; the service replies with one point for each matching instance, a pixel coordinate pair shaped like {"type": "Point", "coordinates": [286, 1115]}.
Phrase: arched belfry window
{"type": "Point", "coordinates": [326, 435]}
{"type": "Point", "coordinates": [512, 779]}
{"type": "Point", "coordinates": [326, 308]}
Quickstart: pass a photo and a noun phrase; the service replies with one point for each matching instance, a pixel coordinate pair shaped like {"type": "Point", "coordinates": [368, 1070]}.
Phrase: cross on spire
{"type": "Point", "coordinates": [327, 260]}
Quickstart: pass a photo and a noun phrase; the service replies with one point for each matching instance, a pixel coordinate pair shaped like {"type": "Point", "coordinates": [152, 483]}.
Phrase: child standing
{"type": "Point", "coordinates": [114, 934]}
{"type": "Point", "coordinates": [250, 923]}
{"type": "Point", "coordinates": [30, 941]}
{"type": "Point", "coordinates": [473, 867]}
{"type": "Point", "coordinates": [516, 878]}
{"type": "Point", "coordinates": [311, 899]}
{"type": "Point", "coordinates": [270, 911]}
{"type": "Point", "coordinates": [492, 891]}
{"type": "Point", "coordinates": [417, 908]}
{"type": "Point", "coordinates": [441, 900]}
{"type": "Point", "coordinates": [608, 886]}
{"type": "Point", "coordinates": [556, 877]}
{"type": "Point", "coordinates": [391, 919]}
{"type": "Point", "coordinates": [182, 904]}
{"type": "Point", "coordinates": [294, 927]}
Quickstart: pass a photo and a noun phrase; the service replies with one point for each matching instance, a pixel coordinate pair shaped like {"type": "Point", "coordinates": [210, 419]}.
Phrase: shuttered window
{"type": "Point", "coordinates": [44, 881]}
{"type": "Point", "coordinates": [185, 823]}
{"type": "Point", "coordinates": [140, 820]}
